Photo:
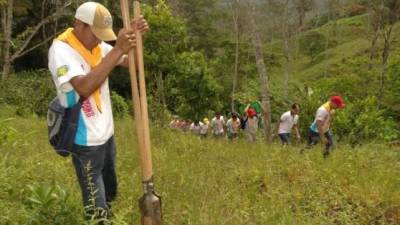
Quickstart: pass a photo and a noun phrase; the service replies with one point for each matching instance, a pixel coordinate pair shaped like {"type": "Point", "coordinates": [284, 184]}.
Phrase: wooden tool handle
{"type": "Point", "coordinates": [146, 172]}
{"type": "Point", "coordinates": [143, 95]}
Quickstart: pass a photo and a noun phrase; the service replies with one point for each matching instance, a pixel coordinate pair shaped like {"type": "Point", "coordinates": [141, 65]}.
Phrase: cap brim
{"type": "Point", "coordinates": [104, 34]}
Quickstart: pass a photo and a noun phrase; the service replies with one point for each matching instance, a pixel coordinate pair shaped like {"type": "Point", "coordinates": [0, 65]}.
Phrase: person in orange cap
{"type": "Point", "coordinates": [320, 128]}
{"type": "Point", "coordinates": [80, 62]}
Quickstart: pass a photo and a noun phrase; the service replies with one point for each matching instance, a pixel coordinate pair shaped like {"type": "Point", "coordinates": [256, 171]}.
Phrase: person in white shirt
{"type": "Point", "coordinates": [217, 125]}
{"type": "Point", "coordinates": [320, 128]}
{"type": "Point", "coordinates": [195, 127]}
{"type": "Point", "coordinates": [174, 124]}
{"type": "Point", "coordinates": [233, 127]}
{"type": "Point", "coordinates": [288, 122]}
{"type": "Point", "coordinates": [80, 62]}
{"type": "Point", "coordinates": [204, 128]}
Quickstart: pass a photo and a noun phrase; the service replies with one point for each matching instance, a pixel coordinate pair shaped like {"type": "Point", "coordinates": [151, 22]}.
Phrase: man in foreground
{"type": "Point", "coordinates": [80, 63]}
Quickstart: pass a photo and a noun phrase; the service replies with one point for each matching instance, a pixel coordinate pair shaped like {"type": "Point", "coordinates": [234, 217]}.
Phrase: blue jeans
{"type": "Point", "coordinates": [95, 169]}
{"type": "Point", "coordinates": [285, 138]}
{"type": "Point", "coordinates": [313, 139]}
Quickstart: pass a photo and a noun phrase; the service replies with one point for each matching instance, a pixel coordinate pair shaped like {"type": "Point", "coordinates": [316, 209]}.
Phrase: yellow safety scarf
{"type": "Point", "coordinates": [92, 58]}
{"type": "Point", "coordinates": [327, 106]}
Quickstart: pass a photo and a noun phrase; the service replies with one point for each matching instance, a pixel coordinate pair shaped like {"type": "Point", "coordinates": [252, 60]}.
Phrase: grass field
{"type": "Point", "coordinates": [204, 182]}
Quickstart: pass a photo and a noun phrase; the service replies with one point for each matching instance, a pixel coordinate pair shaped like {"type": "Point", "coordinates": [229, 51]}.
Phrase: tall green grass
{"type": "Point", "coordinates": [204, 182]}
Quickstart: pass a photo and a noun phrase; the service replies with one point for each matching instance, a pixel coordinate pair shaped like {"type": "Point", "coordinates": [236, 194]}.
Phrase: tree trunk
{"type": "Point", "coordinates": [7, 38]}
{"type": "Point", "coordinates": [286, 50]}
{"type": "Point", "coordinates": [372, 50]}
{"type": "Point", "coordinates": [235, 73]}
{"type": "Point", "coordinates": [42, 16]}
{"type": "Point", "coordinates": [385, 56]}
{"type": "Point", "coordinates": [57, 2]}
{"type": "Point", "coordinates": [286, 75]}
{"type": "Point", "coordinates": [265, 95]}
{"type": "Point", "coordinates": [3, 14]}
{"type": "Point", "coordinates": [160, 87]}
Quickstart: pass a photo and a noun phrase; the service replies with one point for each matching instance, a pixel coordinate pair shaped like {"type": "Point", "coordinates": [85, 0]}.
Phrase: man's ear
{"type": "Point", "coordinates": [78, 23]}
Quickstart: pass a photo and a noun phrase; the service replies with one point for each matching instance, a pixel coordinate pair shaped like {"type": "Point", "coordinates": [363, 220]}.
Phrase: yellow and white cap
{"type": "Point", "coordinates": [99, 19]}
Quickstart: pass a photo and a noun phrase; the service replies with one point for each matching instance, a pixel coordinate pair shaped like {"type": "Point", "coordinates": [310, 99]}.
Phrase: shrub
{"type": "Point", "coordinates": [119, 105]}
{"type": "Point", "coordinates": [48, 202]}
{"type": "Point", "coordinates": [362, 120]}
{"type": "Point", "coordinates": [29, 91]}
{"type": "Point", "coordinates": [312, 43]}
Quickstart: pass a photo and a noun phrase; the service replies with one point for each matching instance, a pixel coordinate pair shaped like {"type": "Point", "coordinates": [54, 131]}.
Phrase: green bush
{"type": "Point", "coordinates": [312, 43]}
{"type": "Point", "coordinates": [119, 105]}
{"type": "Point", "coordinates": [46, 202]}
{"type": "Point", "coordinates": [362, 120]}
{"type": "Point", "coordinates": [29, 91]}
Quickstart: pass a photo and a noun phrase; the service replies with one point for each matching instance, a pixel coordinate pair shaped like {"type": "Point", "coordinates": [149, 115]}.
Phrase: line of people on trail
{"type": "Point", "coordinates": [219, 127]}
{"type": "Point", "coordinates": [320, 129]}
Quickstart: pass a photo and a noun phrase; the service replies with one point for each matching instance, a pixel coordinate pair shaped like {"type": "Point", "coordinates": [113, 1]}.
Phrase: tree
{"type": "Point", "coordinates": [286, 48]}
{"type": "Point", "coordinates": [265, 92]}
{"type": "Point", "coordinates": [200, 17]}
{"type": "Point", "coordinates": [22, 41]}
{"type": "Point", "coordinates": [384, 14]}
{"type": "Point", "coordinates": [7, 21]}
{"type": "Point", "coordinates": [302, 6]}
{"type": "Point", "coordinates": [195, 88]}
{"type": "Point", "coordinates": [163, 44]}
{"type": "Point", "coordinates": [235, 5]}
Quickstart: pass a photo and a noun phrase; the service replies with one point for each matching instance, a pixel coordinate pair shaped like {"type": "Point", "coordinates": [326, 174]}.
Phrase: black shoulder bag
{"type": "Point", "coordinates": [62, 124]}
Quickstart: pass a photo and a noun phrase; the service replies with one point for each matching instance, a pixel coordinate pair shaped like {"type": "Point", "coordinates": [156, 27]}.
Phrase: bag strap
{"type": "Point", "coordinates": [81, 100]}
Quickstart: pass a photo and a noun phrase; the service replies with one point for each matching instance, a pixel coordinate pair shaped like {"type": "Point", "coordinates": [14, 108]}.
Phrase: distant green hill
{"type": "Point", "coordinates": [347, 41]}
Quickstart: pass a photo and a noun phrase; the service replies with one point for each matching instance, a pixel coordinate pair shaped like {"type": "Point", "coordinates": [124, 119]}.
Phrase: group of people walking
{"type": "Point", "coordinates": [288, 124]}
{"type": "Point", "coordinates": [219, 127]}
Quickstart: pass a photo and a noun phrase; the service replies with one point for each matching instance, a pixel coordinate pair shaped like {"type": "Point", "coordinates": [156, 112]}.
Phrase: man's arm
{"type": "Point", "coordinates": [296, 129]}
{"type": "Point", "coordinates": [320, 125]}
{"type": "Point", "coordinates": [278, 124]}
{"type": "Point", "coordinates": [86, 85]}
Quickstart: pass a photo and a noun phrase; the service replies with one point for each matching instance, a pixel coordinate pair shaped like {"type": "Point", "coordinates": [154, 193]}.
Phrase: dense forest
{"type": "Point", "coordinates": [213, 56]}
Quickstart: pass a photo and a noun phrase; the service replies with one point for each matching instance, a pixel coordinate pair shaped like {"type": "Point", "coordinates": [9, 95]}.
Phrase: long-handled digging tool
{"type": "Point", "coordinates": [150, 202]}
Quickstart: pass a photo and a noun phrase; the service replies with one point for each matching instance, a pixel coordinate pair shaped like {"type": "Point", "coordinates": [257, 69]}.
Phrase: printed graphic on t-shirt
{"type": "Point", "coordinates": [62, 70]}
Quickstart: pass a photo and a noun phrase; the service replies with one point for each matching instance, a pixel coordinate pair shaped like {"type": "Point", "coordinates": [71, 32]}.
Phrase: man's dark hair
{"type": "Point", "coordinates": [295, 106]}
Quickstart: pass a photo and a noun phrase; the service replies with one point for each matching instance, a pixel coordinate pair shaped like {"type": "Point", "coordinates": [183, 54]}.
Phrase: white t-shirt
{"type": "Point", "coordinates": [233, 126]}
{"type": "Point", "coordinates": [324, 115]}
{"type": "Point", "coordinates": [94, 127]}
{"type": "Point", "coordinates": [218, 125]}
{"type": "Point", "coordinates": [196, 129]}
{"type": "Point", "coordinates": [204, 129]}
{"type": "Point", "coordinates": [287, 122]}
{"type": "Point", "coordinates": [252, 125]}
